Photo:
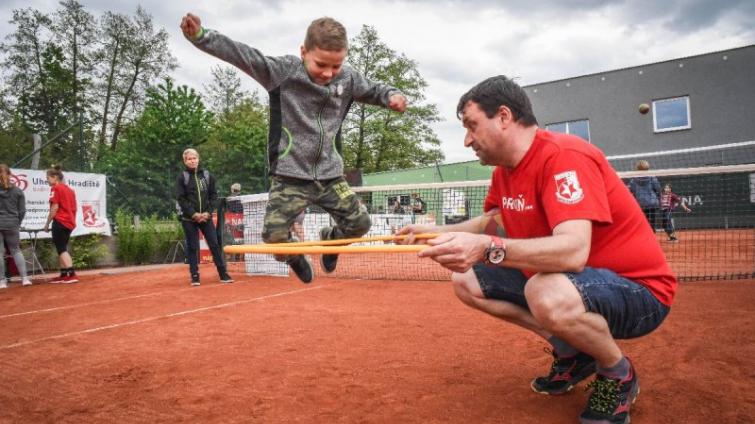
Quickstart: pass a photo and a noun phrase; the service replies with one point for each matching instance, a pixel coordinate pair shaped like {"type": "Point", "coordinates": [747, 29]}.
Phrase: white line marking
{"type": "Point", "coordinates": [143, 320]}
{"type": "Point", "coordinates": [100, 302]}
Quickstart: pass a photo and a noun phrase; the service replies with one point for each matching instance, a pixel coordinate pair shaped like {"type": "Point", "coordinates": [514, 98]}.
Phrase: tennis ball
{"type": "Point", "coordinates": [644, 108]}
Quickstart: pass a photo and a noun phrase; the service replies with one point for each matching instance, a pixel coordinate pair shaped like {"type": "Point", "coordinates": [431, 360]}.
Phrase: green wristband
{"type": "Point", "coordinates": [199, 34]}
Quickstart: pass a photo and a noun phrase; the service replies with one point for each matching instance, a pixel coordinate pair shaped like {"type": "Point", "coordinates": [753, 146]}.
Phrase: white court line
{"type": "Point", "coordinates": [143, 320]}
{"type": "Point", "coordinates": [100, 302]}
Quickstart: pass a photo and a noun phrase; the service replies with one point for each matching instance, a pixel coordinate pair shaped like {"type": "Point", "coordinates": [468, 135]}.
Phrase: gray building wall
{"type": "Point", "coordinates": [720, 86]}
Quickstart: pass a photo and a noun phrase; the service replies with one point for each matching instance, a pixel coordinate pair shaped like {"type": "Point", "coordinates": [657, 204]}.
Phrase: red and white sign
{"type": "Point", "coordinates": [91, 200]}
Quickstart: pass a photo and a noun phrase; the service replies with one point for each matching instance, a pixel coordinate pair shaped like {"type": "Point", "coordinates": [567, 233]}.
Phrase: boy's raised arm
{"type": "Point", "coordinates": [268, 71]}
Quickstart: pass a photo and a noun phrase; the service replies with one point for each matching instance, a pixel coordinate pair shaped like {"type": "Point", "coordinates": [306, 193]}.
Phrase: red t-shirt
{"type": "Point", "coordinates": [562, 178]}
{"type": "Point", "coordinates": [65, 198]}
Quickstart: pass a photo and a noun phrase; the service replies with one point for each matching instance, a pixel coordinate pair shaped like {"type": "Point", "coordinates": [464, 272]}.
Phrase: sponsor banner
{"type": "Point", "coordinates": [91, 201]}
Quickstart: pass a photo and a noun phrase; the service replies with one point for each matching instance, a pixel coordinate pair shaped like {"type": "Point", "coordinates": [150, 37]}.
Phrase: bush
{"type": "Point", "coordinates": [146, 244]}
{"type": "Point", "coordinates": [87, 250]}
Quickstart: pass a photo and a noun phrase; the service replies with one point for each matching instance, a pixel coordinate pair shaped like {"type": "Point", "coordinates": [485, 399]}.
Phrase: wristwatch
{"type": "Point", "coordinates": [496, 253]}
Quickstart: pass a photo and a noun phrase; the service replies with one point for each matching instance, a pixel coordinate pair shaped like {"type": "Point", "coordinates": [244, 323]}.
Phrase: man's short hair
{"type": "Point", "coordinates": [499, 91]}
{"type": "Point", "coordinates": [326, 34]}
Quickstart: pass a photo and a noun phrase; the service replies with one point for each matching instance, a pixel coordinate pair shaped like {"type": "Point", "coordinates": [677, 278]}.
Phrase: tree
{"type": "Point", "coordinates": [225, 92]}
{"type": "Point", "coordinates": [75, 27]}
{"type": "Point", "coordinates": [37, 94]}
{"type": "Point", "coordinates": [145, 58]}
{"type": "Point", "coordinates": [377, 139]}
{"type": "Point", "coordinates": [56, 73]}
{"type": "Point", "coordinates": [237, 147]}
{"type": "Point", "coordinates": [115, 34]}
{"type": "Point", "coordinates": [145, 166]}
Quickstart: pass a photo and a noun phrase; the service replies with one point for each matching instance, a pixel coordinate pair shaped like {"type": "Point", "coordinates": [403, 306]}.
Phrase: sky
{"type": "Point", "coordinates": [458, 43]}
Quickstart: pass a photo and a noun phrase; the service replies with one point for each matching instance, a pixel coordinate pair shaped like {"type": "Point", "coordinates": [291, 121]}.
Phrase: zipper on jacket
{"type": "Point", "coordinates": [199, 192]}
{"type": "Point", "coordinates": [322, 138]}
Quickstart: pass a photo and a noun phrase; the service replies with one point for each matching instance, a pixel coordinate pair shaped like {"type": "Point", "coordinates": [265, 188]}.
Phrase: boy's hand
{"type": "Point", "coordinates": [397, 102]}
{"type": "Point", "coordinates": [191, 26]}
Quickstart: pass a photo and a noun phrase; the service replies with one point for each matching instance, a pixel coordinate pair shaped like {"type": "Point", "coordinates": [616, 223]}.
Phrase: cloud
{"type": "Point", "coordinates": [457, 43]}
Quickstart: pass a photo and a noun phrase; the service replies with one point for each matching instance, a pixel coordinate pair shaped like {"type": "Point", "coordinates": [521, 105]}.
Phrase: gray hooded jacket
{"type": "Point", "coordinates": [12, 208]}
{"type": "Point", "coordinates": [305, 118]}
{"type": "Point", "coordinates": [647, 191]}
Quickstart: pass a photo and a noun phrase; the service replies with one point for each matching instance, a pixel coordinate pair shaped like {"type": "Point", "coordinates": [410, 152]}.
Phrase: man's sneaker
{"type": "Point", "coordinates": [328, 262]}
{"type": "Point", "coordinates": [26, 282]}
{"type": "Point", "coordinates": [302, 268]}
{"type": "Point", "coordinates": [610, 399]}
{"type": "Point", "coordinates": [194, 279]}
{"type": "Point", "coordinates": [225, 278]}
{"type": "Point", "coordinates": [565, 373]}
{"type": "Point", "coordinates": [70, 279]}
{"type": "Point", "coordinates": [3, 284]}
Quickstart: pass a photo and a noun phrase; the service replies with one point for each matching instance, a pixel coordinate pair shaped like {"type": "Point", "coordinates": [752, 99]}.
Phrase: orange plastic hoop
{"type": "Point", "coordinates": [332, 246]}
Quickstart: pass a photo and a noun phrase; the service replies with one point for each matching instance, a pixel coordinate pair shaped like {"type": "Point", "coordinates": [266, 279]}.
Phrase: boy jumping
{"type": "Point", "coordinates": [310, 96]}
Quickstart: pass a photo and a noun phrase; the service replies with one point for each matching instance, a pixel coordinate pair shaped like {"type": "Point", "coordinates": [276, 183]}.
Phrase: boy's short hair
{"type": "Point", "coordinates": [327, 34]}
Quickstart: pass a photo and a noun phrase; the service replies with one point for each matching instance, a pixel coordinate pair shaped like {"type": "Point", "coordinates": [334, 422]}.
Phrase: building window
{"type": "Point", "coordinates": [671, 114]}
{"type": "Point", "coordinates": [578, 128]}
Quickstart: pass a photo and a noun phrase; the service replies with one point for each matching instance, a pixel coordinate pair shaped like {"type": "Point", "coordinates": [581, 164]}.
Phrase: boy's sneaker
{"type": "Point", "coordinates": [26, 282]}
{"type": "Point", "coordinates": [673, 239]}
{"type": "Point", "coordinates": [70, 279]}
{"type": "Point", "coordinates": [302, 268]}
{"type": "Point", "coordinates": [611, 399]}
{"type": "Point", "coordinates": [225, 278]}
{"type": "Point", "coordinates": [328, 262]}
{"type": "Point", "coordinates": [565, 373]}
{"type": "Point", "coordinates": [194, 279]}
{"type": "Point", "coordinates": [3, 284]}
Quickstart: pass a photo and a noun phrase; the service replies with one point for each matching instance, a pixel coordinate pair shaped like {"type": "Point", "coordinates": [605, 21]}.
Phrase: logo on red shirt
{"type": "Point", "coordinates": [568, 189]}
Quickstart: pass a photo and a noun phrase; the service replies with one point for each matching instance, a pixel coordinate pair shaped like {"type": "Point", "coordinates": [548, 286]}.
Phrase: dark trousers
{"type": "Point", "coordinates": [668, 221]}
{"type": "Point", "coordinates": [191, 231]}
{"type": "Point", "coordinates": [651, 215]}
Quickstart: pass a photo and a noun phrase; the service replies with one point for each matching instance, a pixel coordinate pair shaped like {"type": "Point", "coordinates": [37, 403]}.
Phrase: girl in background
{"type": "Point", "coordinates": [63, 218]}
{"type": "Point", "coordinates": [12, 211]}
{"type": "Point", "coordinates": [669, 202]}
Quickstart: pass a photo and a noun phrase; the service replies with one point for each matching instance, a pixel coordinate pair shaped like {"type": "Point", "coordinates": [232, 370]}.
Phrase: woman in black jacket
{"type": "Point", "coordinates": [196, 196]}
{"type": "Point", "coordinates": [12, 211]}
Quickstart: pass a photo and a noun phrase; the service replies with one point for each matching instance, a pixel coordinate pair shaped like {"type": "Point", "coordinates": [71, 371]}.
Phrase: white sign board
{"type": "Point", "coordinates": [91, 201]}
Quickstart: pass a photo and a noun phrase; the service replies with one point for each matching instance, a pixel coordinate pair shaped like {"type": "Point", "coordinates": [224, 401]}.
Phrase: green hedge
{"type": "Point", "coordinates": [147, 243]}
{"type": "Point", "coordinates": [86, 251]}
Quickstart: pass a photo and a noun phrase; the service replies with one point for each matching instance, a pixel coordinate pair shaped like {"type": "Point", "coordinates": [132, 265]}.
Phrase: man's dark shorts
{"type": "Point", "coordinates": [628, 307]}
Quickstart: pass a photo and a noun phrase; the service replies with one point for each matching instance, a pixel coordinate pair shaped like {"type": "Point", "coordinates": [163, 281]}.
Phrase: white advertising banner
{"type": "Point", "coordinates": [91, 201]}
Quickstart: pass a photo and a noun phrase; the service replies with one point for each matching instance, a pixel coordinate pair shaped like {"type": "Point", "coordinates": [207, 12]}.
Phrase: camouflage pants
{"type": "Point", "coordinates": [289, 197]}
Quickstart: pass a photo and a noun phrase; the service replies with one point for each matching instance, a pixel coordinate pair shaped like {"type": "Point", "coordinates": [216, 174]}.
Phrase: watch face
{"type": "Point", "coordinates": [496, 255]}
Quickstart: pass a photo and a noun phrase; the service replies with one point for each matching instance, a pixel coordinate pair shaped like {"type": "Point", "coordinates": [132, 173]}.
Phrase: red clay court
{"type": "Point", "coordinates": [146, 347]}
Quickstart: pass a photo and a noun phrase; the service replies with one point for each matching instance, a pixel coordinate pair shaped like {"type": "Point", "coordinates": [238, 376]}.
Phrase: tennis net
{"type": "Point", "coordinates": [716, 240]}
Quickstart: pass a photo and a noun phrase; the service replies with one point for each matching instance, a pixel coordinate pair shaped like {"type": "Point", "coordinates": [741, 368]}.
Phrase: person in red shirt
{"type": "Point", "coordinates": [63, 218]}
{"type": "Point", "coordinates": [567, 267]}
